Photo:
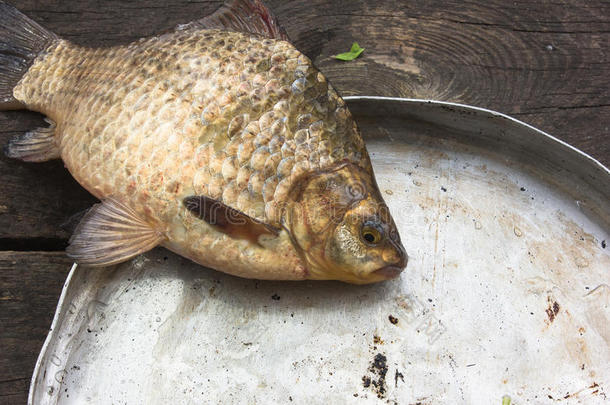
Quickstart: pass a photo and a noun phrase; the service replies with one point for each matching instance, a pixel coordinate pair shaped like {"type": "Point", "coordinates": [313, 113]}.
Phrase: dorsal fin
{"type": "Point", "coordinates": [242, 16]}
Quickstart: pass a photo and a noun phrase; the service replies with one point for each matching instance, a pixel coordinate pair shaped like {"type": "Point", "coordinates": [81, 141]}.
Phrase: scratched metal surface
{"type": "Point", "coordinates": [506, 291]}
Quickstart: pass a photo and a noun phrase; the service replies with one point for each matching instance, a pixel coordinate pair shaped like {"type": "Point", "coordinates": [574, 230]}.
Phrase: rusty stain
{"type": "Point", "coordinates": [581, 262]}
{"type": "Point", "coordinates": [377, 340]}
{"type": "Point", "coordinates": [552, 310]}
{"type": "Point", "coordinates": [594, 387]}
{"type": "Point", "coordinates": [577, 249]}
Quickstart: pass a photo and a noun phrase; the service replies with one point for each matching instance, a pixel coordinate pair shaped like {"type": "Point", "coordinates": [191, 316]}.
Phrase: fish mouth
{"type": "Point", "coordinates": [389, 272]}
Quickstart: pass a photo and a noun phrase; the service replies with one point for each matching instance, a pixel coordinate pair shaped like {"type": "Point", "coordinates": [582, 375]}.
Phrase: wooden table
{"type": "Point", "coordinates": [546, 62]}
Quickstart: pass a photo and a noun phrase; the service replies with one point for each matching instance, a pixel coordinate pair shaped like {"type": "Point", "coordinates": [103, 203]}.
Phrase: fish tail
{"type": "Point", "coordinates": [21, 41]}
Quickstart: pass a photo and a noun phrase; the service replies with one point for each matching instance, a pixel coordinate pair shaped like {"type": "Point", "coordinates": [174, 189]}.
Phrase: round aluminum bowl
{"type": "Point", "coordinates": [506, 291]}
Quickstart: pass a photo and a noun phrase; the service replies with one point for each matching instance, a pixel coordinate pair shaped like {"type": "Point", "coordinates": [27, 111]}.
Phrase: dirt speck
{"type": "Point", "coordinates": [398, 375]}
{"type": "Point", "coordinates": [443, 189]}
{"type": "Point", "coordinates": [552, 310]}
{"type": "Point", "coordinates": [275, 297]}
{"type": "Point", "coordinates": [377, 340]}
{"type": "Point", "coordinates": [393, 319]}
{"type": "Point", "coordinates": [379, 369]}
{"type": "Point", "coordinates": [603, 244]}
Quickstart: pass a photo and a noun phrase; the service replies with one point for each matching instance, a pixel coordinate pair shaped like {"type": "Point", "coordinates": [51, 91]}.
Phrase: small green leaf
{"type": "Point", "coordinates": [352, 54]}
{"type": "Point", "coordinates": [505, 400]}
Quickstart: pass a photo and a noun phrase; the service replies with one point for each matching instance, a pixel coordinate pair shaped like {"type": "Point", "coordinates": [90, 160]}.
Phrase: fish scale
{"type": "Point", "coordinates": [224, 114]}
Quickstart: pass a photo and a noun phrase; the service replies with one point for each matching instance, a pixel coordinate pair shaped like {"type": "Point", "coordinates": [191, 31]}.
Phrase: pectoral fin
{"type": "Point", "coordinates": [38, 145]}
{"type": "Point", "coordinates": [226, 219]}
{"type": "Point", "coordinates": [111, 233]}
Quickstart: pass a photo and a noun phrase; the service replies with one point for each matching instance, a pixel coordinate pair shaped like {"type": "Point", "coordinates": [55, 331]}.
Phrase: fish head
{"type": "Point", "coordinates": [344, 229]}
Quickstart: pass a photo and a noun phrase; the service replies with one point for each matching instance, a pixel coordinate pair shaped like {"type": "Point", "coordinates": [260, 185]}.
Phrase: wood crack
{"type": "Point", "coordinates": [28, 244]}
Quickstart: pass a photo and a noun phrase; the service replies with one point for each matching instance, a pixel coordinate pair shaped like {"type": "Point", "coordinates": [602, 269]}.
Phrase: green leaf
{"type": "Point", "coordinates": [505, 400]}
{"type": "Point", "coordinates": [352, 54]}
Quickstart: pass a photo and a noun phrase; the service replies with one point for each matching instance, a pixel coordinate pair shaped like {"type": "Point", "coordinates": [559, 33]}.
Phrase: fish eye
{"type": "Point", "coordinates": [371, 234]}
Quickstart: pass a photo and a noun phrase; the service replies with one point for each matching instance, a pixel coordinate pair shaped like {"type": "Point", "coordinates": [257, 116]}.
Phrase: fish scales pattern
{"type": "Point", "coordinates": [235, 117]}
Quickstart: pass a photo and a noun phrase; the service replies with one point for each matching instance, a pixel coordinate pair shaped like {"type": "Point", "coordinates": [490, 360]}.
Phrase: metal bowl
{"type": "Point", "coordinates": [506, 291]}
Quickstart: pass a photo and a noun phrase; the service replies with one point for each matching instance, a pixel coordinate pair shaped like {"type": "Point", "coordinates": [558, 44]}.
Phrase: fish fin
{"type": "Point", "coordinates": [111, 233]}
{"type": "Point", "coordinates": [226, 219]}
{"type": "Point", "coordinates": [242, 16]}
{"type": "Point", "coordinates": [21, 41]}
{"type": "Point", "coordinates": [37, 145]}
{"type": "Point", "coordinates": [70, 224]}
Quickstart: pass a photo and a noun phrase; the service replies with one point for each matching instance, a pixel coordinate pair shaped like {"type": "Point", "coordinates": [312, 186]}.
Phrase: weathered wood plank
{"type": "Point", "coordinates": [35, 198]}
{"type": "Point", "coordinates": [548, 60]}
{"type": "Point", "coordinates": [30, 284]}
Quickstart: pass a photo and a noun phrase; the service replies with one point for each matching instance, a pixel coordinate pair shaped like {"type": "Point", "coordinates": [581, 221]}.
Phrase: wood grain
{"type": "Point", "coordinates": [30, 286]}
{"type": "Point", "coordinates": [544, 62]}
{"type": "Point", "coordinates": [35, 199]}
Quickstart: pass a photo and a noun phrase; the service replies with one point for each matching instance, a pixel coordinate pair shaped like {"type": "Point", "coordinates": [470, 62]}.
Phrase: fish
{"type": "Point", "coordinates": [217, 140]}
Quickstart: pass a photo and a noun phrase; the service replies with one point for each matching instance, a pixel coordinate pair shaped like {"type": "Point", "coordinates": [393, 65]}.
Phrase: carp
{"type": "Point", "coordinates": [219, 141]}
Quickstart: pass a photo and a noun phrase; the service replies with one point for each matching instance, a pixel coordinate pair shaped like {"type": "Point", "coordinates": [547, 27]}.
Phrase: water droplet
{"type": "Point", "coordinates": [158, 319]}
{"type": "Point", "coordinates": [389, 192]}
{"type": "Point", "coordinates": [549, 47]}
{"type": "Point", "coordinates": [518, 231]}
{"type": "Point", "coordinates": [417, 183]}
{"type": "Point", "coordinates": [477, 225]}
